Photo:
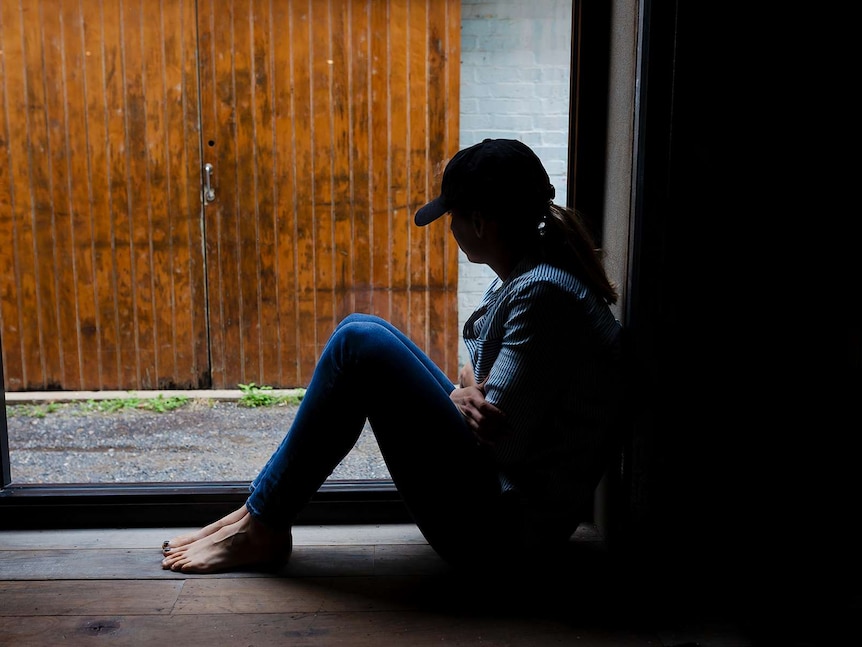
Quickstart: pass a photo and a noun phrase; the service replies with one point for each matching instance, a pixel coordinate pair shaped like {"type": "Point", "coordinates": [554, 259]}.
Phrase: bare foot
{"type": "Point", "coordinates": [245, 542]}
{"type": "Point", "coordinates": [227, 520]}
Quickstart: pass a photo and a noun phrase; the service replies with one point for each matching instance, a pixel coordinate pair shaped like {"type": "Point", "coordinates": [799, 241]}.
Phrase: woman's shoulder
{"type": "Point", "coordinates": [546, 288]}
{"type": "Point", "coordinates": [543, 276]}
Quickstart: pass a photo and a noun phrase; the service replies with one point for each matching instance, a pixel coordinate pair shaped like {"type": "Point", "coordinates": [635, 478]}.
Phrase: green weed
{"type": "Point", "coordinates": [161, 404]}
{"type": "Point", "coordinates": [110, 406]}
{"type": "Point", "coordinates": [31, 410]}
{"type": "Point", "coordinates": [254, 395]}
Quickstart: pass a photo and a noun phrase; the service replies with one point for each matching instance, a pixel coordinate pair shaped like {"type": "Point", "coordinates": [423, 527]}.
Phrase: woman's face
{"type": "Point", "coordinates": [463, 227]}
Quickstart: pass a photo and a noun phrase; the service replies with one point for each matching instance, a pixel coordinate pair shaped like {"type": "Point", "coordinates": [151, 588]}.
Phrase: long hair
{"type": "Point", "coordinates": [565, 241]}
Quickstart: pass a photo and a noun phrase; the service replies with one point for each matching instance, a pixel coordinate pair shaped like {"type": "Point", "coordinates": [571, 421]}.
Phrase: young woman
{"type": "Point", "coordinates": [501, 467]}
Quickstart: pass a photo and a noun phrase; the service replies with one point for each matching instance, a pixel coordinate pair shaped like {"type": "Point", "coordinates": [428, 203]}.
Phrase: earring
{"type": "Point", "coordinates": [542, 226]}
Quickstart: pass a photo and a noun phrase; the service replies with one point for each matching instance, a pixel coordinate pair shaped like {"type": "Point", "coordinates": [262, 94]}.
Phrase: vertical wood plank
{"type": "Point", "coordinates": [84, 364]}
{"type": "Point", "coordinates": [157, 244]}
{"type": "Point", "coordinates": [41, 224]}
{"type": "Point", "coordinates": [224, 251]}
{"type": "Point", "coordinates": [58, 208]}
{"type": "Point", "coordinates": [398, 105]}
{"type": "Point", "coordinates": [137, 328]}
{"type": "Point", "coordinates": [184, 269]}
{"type": "Point", "coordinates": [381, 161]}
{"type": "Point", "coordinates": [359, 75]}
{"type": "Point", "coordinates": [444, 73]}
{"type": "Point", "coordinates": [306, 269]}
{"type": "Point", "coordinates": [322, 169]}
{"type": "Point", "coordinates": [267, 247]}
{"type": "Point", "coordinates": [418, 258]}
{"type": "Point", "coordinates": [246, 218]}
{"type": "Point", "coordinates": [217, 146]}
{"type": "Point", "coordinates": [15, 374]}
{"type": "Point", "coordinates": [100, 62]}
{"type": "Point", "coordinates": [120, 75]}
{"type": "Point", "coordinates": [342, 161]}
{"type": "Point", "coordinates": [284, 183]}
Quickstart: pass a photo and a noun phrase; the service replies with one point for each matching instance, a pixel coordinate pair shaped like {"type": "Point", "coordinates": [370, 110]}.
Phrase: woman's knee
{"type": "Point", "coordinates": [358, 335]}
{"type": "Point", "coordinates": [359, 324]}
{"type": "Point", "coordinates": [358, 317]}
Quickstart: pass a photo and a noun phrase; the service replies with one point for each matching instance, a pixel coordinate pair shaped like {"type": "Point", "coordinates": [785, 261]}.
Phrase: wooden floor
{"type": "Point", "coordinates": [344, 585]}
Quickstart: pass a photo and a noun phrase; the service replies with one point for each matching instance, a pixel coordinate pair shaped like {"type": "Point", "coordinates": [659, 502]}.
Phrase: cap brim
{"type": "Point", "coordinates": [431, 211]}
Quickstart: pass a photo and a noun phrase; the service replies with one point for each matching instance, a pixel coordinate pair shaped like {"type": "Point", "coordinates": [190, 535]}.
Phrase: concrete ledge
{"type": "Point", "coordinates": [41, 397]}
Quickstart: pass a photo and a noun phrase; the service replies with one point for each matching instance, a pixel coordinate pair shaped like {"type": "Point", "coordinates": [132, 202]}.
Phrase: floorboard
{"type": "Point", "coordinates": [343, 585]}
{"type": "Point", "coordinates": [360, 629]}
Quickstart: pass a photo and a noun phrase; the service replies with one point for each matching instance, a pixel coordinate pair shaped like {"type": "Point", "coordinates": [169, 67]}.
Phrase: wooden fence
{"type": "Point", "coordinates": [193, 194]}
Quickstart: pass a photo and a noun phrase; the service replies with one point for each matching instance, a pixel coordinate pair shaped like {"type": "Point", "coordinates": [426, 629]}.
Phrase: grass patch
{"type": "Point", "coordinates": [31, 410]}
{"type": "Point", "coordinates": [254, 396]}
{"type": "Point", "coordinates": [158, 404]}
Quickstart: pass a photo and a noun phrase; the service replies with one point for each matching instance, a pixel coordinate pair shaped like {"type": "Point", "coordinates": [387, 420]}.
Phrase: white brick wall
{"type": "Point", "coordinates": [515, 59]}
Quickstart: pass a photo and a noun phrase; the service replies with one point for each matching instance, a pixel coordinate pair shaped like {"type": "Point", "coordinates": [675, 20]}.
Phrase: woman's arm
{"type": "Point", "coordinates": [532, 353]}
{"type": "Point", "coordinates": [485, 420]}
{"type": "Point", "coordinates": [466, 377]}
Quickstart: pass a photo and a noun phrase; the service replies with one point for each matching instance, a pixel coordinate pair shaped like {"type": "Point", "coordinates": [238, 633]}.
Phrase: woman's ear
{"type": "Point", "coordinates": [478, 223]}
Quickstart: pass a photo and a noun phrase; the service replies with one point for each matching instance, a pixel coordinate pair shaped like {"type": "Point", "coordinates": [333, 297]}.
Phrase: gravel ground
{"type": "Point", "coordinates": [203, 440]}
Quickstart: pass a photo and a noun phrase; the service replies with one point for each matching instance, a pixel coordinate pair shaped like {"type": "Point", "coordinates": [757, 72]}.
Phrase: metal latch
{"type": "Point", "coordinates": [209, 191]}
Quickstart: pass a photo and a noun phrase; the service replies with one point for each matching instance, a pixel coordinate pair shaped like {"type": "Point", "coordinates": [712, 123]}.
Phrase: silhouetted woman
{"type": "Point", "coordinates": [499, 468]}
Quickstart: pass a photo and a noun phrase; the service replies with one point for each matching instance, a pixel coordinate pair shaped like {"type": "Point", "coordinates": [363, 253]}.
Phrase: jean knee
{"type": "Point", "coordinates": [358, 317]}
{"type": "Point", "coordinates": [355, 336]}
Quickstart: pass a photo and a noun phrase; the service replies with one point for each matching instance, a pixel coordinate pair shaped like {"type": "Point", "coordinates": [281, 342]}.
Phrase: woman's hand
{"type": "Point", "coordinates": [466, 377]}
{"type": "Point", "coordinates": [485, 420]}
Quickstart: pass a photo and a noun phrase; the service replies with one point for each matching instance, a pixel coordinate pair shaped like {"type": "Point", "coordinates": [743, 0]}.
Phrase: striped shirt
{"type": "Point", "coordinates": [551, 353]}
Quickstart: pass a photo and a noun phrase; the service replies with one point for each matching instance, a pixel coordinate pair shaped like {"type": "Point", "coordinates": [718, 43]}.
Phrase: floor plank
{"type": "Point", "coordinates": [348, 551]}
{"type": "Point", "coordinates": [319, 595]}
{"type": "Point", "coordinates": [72, 597]}
{"type": "Point", "coordinates": [129, 563]}
{"type": "Point", "coordinates": [359, 629]}
{"type": "Point", "coordinates": [317, 535]}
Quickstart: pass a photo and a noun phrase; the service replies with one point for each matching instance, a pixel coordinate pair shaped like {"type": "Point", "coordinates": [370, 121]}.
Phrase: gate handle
{"type": "Point", "coordinates": [209, 191]}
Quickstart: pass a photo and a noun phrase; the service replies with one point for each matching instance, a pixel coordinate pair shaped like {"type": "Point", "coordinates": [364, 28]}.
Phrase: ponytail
{"type": "Point", "coordinates": [566, 242]}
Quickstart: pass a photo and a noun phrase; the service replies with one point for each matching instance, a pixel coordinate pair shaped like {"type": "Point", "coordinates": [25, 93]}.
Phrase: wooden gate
{"type": "Point", "coordinates": [192, 195]}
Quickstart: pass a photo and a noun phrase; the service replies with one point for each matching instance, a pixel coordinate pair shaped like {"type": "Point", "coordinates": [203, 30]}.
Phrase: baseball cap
{"type": "Point", "coordinates": [502, 175]}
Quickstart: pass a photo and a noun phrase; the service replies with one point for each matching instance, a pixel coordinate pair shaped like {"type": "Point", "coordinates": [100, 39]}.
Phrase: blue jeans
{"type": "Point", "coordinates": [370, 370]}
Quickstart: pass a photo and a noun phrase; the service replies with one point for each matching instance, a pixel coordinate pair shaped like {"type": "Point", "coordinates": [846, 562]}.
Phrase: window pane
{"type": "Point", "coordinates": [118, 286]}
